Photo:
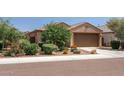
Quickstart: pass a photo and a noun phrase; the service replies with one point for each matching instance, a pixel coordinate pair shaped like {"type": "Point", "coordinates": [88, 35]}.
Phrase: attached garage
{"type": "Point", "coordinates": [86, 35]}
{"type": "Point", "coordinates": [86, 40]}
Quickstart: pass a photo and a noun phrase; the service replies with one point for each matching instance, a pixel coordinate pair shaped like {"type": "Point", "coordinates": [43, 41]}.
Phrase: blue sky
{"type": "Point", "coordinates": [31, 23]}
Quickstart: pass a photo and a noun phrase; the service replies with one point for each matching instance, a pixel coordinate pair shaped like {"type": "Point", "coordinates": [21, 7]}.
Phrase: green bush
{"type": "Point", "coordinates": [49, 48]}
{"type": "Point", "coordinates": [41, 45]}
{"type": "Point", "coordinates": [7, 53]}
{"type": "Point", "coordinates": [115, 44]}
{"type": "Point", "coordinates": [21, 52]}
{"type": "Point", "coordinates": [73, 49]}
{"type": "Point", "coordinates": [11, 52]}
{"type": "Point", "coordinates": [14, 52]}
{"type": "Point", "coordinates": [76, 51]}
{"type": "Point", "coordinates": [56, 34]}
{"type": "Point", "coordinates": [66, 50]}
{"type": "Point", "coordinates": [23, 43]}
{"type": "Point", "coordinates": [31, 49]}
{"type": "Point", "coordinates": [1, 45]}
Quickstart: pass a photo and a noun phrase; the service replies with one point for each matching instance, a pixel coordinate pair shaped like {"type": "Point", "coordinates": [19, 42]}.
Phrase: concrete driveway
{"type": "Point", "coordinates": [112, 53]}
{"type": "Point", "coordinates": [106, 52]}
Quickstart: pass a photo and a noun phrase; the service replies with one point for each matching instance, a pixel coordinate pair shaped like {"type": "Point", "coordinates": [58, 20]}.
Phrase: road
{"type": "Point", "coordinates": [92, 67]}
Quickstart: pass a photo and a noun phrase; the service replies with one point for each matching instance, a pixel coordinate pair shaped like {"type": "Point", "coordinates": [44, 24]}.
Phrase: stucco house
{"type": "Point", "coordinates": [107, 35]}
{"type": "Point", "coordinates": [82, 34]}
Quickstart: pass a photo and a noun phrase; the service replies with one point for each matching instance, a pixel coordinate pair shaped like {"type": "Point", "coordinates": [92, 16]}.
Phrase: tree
{"type": "Point", "coordinates": [9, 34]}
{"type": "Point", "coordinates": [117, 25]}
{"type": "Point", "coordinates": [4, 27]}
{"type": "Point", "coordinates": [55, 34]}
{"type": "Point", "coordinates": [13, 36]}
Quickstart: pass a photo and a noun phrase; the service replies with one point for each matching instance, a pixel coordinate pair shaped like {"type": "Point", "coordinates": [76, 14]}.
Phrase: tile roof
{"type": "Point", "coordinates": [105, 29]}
{"type": "Point", "coordinates": [84, 23]}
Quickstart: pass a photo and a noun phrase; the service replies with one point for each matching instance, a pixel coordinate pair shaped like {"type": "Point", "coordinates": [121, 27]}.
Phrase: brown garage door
{"type": "Point", "coordinates": [86, 40]}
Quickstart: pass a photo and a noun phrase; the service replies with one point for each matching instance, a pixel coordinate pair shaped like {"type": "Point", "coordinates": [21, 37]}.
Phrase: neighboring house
{"type": "Point", "coordinates": [35, 36]}
{"type": "Point", "coordinates": [83, 35]}
{"type": "Point", "coordinates": [108, 35]}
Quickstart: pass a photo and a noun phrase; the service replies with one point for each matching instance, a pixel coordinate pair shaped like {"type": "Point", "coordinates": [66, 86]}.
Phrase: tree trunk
{"type": "Point", "coordinates": [122, 45]}
{"type": "Point", "coordinates": [3, 44]}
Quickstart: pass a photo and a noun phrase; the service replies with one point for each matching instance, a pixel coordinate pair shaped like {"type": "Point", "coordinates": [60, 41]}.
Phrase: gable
{"type": "Point", "coordinates": [85, 28]}
{"type": "Point", "coordinates": [64, 24]}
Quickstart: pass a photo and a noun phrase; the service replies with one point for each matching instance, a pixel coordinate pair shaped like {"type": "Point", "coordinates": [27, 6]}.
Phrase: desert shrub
{"type": "Point", "coordinates": [49, 48]}
{"type": "Point", "coordinates": [23, 43]}
{"type": "Point", "coordinates": [7, 53]}
{"type": "Point", "coordinates": [12, 52]}
{"type": "Point", "coordinates": [56, 34]}
{"type": "Point", "coordinates": [31, 49]}
{"type": "Point", "coordinates": [76, 51]}
{"type": "Point", "coordinates": [65, 51]}
{"type": "Point", "coordinates": [115, 44]}
{"type": "Point", "coordinates": [73, 49]}
{"type": "Point", "coordinates": [41, 45]}
{"type": "Point", "coordinates": [21, 51]}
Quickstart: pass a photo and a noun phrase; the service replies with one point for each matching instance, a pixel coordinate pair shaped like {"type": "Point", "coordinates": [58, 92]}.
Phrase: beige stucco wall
{"type": "Point", "coordinates": [84, 29]}
{"type": "Point", "coordinates": [107, 38]}
{"type": "Point", "coordinates": [37, 36]}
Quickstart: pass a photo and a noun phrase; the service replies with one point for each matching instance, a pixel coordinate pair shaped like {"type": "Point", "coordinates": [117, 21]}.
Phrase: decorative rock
{"type": "Point", "coordinates": [1, 56]}
{"type": "Point", "coordinates": [93, 51]}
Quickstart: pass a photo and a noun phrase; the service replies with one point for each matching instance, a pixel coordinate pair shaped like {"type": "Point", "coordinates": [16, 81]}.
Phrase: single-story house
{"type": "Point", "coordinates": [108, 35]}
{"type": "Point", "coordinates": [82, 34]}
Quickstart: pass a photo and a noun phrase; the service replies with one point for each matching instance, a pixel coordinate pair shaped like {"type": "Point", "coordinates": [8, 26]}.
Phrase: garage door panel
{"type": "Point", "coordinates": [86, 40]}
